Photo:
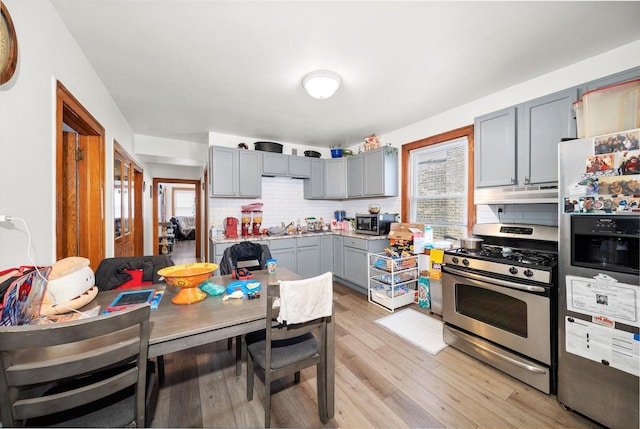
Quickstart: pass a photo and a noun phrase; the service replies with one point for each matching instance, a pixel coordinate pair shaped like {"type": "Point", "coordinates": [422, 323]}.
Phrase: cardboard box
{"type": "Point", "coordinates": [407, 236]}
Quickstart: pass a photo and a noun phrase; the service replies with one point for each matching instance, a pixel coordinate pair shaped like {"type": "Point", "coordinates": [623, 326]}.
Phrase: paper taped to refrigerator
{"type": "Point", "coordinates": [612, 347]}
{"type": "Point", "coordinates": [596, 296]}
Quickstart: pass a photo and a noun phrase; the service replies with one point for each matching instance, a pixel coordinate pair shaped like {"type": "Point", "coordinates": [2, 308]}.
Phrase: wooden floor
{"type": "Point", "coordinates": [184, 252]}
{"type": "Point", "coordinates": [381, 381]}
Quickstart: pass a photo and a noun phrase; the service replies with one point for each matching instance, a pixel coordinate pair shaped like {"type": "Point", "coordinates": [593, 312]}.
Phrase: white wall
{"type": "Point", "coordinates": [47, 53]}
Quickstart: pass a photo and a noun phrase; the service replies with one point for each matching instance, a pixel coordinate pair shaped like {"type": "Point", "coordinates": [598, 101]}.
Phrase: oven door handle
{"type": "Point", "coordinates": [479, 277]}
{"type": "Point", "coordinates": [512, 361]}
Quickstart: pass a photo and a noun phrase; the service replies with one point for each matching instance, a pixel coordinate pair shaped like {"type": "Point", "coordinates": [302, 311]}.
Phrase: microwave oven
{"type": "Point", "coordinates": [374, 224]}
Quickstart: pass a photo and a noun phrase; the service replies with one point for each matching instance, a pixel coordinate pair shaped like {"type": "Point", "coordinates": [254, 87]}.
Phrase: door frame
{"type": "Point", "coordinates": [90, 226]}
{"type": "Point", "coordinates": [198, 218]}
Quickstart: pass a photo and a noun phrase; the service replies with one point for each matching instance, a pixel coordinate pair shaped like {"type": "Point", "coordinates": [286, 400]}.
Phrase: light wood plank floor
{"type": "Point", "coordinates": [184, 252]}
{"type": "Point", "coordinates": [382, 381]}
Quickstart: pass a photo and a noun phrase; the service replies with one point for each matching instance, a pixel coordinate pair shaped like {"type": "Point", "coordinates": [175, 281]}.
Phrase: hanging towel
{"type": "Point", "coordinates": [304, 300]}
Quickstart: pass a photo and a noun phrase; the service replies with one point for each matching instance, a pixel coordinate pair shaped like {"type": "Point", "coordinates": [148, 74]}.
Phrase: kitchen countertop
{"type": "Point", "coordinates": [265, 237]}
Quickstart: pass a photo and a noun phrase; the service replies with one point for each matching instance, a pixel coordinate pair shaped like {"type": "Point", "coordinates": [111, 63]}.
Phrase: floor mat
{"type": "Point", "coordinates": [417, 328]}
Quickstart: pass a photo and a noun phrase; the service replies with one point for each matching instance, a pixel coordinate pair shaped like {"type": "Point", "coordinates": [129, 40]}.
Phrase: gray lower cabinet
{"type": "Point", "coordinates": [284, 251]}
{"type": "Point", "coordinates": [338, 256]}
{"type": "Point", "coordinates": [356, 259]}
{"type": "Point", "coordinates": [326, 253]}
{"type": "Point", "coordinates": [234, 173]}
{"type": "Point", "coordinates": [308, 256]}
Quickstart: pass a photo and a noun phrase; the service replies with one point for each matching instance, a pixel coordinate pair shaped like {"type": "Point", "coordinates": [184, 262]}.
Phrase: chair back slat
{"type": "Point", "coordinates": [35, 407]}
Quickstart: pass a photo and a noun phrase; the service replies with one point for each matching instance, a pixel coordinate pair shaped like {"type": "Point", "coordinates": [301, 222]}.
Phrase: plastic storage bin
{"type": "Point", "coordinates": [612, 108]}
{"type": "Point", "coordinates": [392, 281]}
{"type": "Point", "coordinates": [579, 109]}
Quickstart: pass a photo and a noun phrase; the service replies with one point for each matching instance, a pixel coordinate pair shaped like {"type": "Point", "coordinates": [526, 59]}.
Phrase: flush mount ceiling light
{"type": "Point", "coordinates": [321, 84]}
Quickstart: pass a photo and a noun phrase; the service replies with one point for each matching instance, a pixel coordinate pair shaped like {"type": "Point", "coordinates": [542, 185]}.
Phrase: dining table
{"type": "Point", "coordinates": [176, 327]}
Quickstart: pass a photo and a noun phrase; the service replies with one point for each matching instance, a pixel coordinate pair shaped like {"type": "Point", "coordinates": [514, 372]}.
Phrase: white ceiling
{"type": "Point", "coordinates": [179, 69]}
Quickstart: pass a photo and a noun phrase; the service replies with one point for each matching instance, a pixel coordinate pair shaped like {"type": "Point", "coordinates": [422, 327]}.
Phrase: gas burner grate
{"type": "Point", "coordinates": [507, 254]}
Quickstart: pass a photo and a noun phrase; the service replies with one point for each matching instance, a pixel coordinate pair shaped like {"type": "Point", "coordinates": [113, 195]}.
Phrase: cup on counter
{"type": "Point", "coordinates": [271, 266]}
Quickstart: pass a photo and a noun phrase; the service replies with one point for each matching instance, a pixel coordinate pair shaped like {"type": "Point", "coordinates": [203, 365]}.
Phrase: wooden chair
{"type": "Point", "coordinates": [82, 373]}
{"type": "Point", "coordinates": [284, 348]}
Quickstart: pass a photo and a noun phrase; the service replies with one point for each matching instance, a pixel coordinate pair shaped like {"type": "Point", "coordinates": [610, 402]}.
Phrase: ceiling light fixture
{"type": "Point", "coordinates": [321, 83]}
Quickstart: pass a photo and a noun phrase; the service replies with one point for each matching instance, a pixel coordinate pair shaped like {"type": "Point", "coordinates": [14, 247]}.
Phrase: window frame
{"type": "Point", "coordinates": [466, 131]}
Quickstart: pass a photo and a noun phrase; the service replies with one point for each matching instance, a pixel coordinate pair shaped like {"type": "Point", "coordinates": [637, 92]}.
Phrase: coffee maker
{"type": "Point", "coordinates": [231, 227]}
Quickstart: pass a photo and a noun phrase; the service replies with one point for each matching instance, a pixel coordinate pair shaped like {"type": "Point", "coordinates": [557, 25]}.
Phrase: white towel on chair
{"type": "Point", "coordinates": [304, 300]}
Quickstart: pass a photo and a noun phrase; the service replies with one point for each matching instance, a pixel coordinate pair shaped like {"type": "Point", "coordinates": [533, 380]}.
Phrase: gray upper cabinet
{"type": "Point", "coordinates": [355, 176]}
{"type": "Point", "coordinates": [336, 178]}
{"type": "Point", "coordinates": [624, 76]}
{"type": "Point", "coordinates": [277, 164]}
{"type": "Point", "coordinates": [495, 148]}
{"type": "Point", "coordinates": [234, 173]}
{"type": "Point", "coordinates": [380, 172]}
{"type": "Point", "coordinates": [545, 122]}
{"type": "Point", "coordinates": [314, 187]}
{"type": "Point", "coordinates": [512, 146]}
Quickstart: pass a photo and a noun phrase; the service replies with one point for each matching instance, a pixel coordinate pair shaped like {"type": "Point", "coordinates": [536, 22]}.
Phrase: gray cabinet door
{"type": "Point", "coordinates": [308, 261]}
{"type": "Point", "coordinates": [250, 177]}
{"type": "Point", "coordinates": [274, 164]}
{"type": "Point", "coordinates": [223, 172]}
{"type": "Point", "coordinates": [546, 121]}
{"type": "Point", "coordinates": [380, 169]}
{"type": "Point", "coordinates": [314, 187]}
{"type": "Point", "coordinates": [355, 176]}
{"type": "Point", "coordinates": [338, 256]}
{"type": "Point", "coordinates": [624, 76]}
{"type": "Point", "coordinates": [495, 149]}
{"type": "Point", "coordinates": [355, 266]}
{"type": "Point", "coordinates": [326, 253]}
{"type": "Point", "coordinates": [336, 178]}
{"type": "Point", "coordinates": [299, 167]}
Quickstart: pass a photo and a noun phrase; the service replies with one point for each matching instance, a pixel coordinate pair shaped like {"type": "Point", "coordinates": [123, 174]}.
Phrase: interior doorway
{"type": "Point", "coordinates": [178, 201]}
{"type": "Point", "coordinates": [80, 181]}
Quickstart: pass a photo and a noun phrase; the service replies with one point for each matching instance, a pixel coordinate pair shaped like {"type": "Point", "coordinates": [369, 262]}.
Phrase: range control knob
{"type": "Point", "coordinates": [528, 273]}
{"type": "Point", "coordinates": [454, 260]}
{"type": "Point", "coordinates": [465, 262]}
{"type": "Point", "coordinates": [513, 270]}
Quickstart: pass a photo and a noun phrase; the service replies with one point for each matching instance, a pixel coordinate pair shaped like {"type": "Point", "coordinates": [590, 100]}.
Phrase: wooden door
{"type": "Point", "coordinates": [127, 204]}
{"type": "Point", "coordinates": [80, 160]}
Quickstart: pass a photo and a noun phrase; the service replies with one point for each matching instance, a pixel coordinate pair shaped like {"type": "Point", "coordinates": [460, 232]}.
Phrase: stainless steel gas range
{"type": "Point", "coordinates": [500, 302]}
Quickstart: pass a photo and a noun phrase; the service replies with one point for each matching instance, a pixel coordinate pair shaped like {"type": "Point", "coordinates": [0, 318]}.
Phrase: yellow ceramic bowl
{"type": "Point", "coordinates": [188, 275]}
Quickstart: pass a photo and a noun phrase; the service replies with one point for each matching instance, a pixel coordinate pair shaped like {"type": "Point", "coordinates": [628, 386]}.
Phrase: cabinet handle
{"type": "Point", "coordinates": [513, 181]}
{"type": "Point", "coordinates": [526, 180]}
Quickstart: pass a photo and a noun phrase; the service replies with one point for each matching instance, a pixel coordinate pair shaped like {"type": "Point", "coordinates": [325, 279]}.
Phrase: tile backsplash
{"type": "Point", "coordinates": [538, 214]}
{"type": "Point", "coordinates": [283, 200]}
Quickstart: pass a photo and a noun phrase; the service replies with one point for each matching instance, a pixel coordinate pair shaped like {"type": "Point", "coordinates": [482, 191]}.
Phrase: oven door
{"type": "Point", "coordinates": [515, 319]}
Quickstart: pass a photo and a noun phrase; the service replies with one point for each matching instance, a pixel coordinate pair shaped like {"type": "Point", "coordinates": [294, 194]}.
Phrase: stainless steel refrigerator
{"type": "Point", "coordinates": [599, 292]}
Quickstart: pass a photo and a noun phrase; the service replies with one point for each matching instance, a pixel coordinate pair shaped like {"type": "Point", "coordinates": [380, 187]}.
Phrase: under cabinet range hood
{"type": "Point", "coordinates": [516, 195]}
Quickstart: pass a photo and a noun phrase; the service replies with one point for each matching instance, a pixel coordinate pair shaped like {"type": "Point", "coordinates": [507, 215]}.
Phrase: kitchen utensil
{"type": "Point", "coordinates": [336, 153]}
{"type": "Point", "coordinates": [467, 243]}
{"type": "Point", "coordinates": [312, 153]}
{"type": "Point", "coordinates": [374, 208]}
{"type": "Point", "coordinates": [268, 147]}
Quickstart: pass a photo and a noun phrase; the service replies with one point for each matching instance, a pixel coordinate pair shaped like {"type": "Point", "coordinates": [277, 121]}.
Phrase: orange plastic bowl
{"type": "Point", "coordinates": [188, 275]}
